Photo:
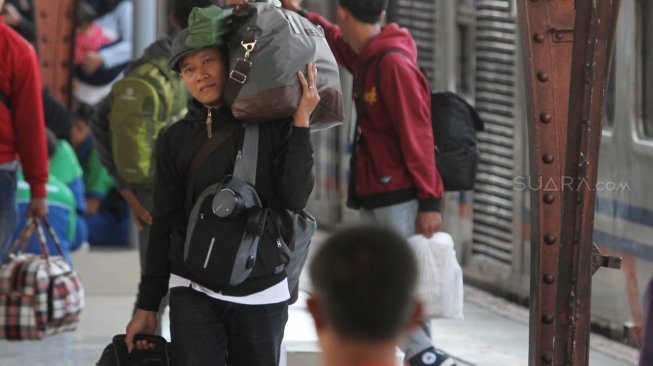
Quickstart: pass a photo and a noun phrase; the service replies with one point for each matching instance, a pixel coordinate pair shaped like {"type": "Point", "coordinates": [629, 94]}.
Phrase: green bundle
{"type": "Point", "coordinates": [208, 26]}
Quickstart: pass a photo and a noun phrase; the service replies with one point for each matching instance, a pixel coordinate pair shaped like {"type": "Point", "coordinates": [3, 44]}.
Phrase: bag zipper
{"type": "Point", "coordinates": [209, 122]}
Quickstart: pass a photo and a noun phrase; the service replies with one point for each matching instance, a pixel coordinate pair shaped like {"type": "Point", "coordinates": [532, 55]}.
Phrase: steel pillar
{"type": "Point", "coordinates": [567, 54]}
{"type": "Point", "coordinates": [55, 27]}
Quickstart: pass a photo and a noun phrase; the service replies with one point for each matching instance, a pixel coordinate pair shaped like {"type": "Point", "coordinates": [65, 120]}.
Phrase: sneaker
{"type": "Point", "coordinates": [432, 357]}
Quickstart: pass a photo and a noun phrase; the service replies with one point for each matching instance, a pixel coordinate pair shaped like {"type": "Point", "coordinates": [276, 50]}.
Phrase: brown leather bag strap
{"type": "Point", "coordinates": [237, 78]}
{"type": "Point", "coordinates": [238, 75]}
{"type": "Point", "coordinates": [209, 146]}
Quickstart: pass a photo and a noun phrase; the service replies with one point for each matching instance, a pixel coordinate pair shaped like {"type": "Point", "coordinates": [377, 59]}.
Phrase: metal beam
{"type": "Point", "coordinates": [566, 56]}
{"type": "Point", "coordinates": [546, 35]}
{"type": "Point", "coordinates": [55, 27]}
{"type": "Point", "coordinates": [595, 27]}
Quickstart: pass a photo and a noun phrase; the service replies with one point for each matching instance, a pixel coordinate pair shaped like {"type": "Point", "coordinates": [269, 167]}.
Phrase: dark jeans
{"type": "Point", "coordinates": [211, 332]}
{"type": "Point", "coordinates": [8, 210]}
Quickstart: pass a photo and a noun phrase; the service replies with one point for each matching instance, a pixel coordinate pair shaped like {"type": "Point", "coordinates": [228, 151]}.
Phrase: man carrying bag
{"type": "Point", "coordinates": [235, 323]}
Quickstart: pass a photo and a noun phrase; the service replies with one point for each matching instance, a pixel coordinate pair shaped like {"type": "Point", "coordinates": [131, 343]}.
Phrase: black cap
{"type": "Point", "coordinates": [179, 49]}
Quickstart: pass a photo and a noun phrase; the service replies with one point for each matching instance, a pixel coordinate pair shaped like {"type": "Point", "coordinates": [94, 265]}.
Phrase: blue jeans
{"type": "Point", "coordinates": [210, 332]}
{"type": "Point", "coordinates": [8, 210]}
{"type": "Point", "coordinates": [402, 218]}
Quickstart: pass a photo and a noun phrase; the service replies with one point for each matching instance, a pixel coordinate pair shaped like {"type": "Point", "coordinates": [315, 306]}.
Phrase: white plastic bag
{"type": "Point", "coordinates": [440, 280]}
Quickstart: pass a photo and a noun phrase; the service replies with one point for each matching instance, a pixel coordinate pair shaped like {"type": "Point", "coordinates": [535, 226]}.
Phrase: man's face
{"type": "Point", "coordinates": [204, 74]}
{"type": "Point", "coordinates": [344, 17]}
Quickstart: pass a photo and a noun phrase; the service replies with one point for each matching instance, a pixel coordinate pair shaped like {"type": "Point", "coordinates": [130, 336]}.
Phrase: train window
{"type": "Point", "coordinates": [465, 37]}
{"type": "Point", "coordinates": [464, 68]}
{"type": "Point", "coordinates": [646, 103]}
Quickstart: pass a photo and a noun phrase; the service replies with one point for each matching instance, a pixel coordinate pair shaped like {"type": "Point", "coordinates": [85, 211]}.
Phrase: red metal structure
{"type": "Point", "coordinates": [55, 26]}
{"type": "Point", "coordinates": [567, 51]}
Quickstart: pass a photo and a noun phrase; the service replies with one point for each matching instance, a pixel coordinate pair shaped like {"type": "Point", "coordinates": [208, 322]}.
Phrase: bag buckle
{"type": "Point", "coordinates": [238, 76]}
{"type": "Point", "coordinates": [249, 47]}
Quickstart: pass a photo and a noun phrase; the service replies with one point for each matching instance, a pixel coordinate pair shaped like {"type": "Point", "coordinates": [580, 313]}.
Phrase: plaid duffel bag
{"type": "Point", "coordinates": [40, 295]}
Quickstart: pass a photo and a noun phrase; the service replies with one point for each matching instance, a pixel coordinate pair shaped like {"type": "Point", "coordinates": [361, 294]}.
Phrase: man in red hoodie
{"type": "Point", "coordinates": [393, 177]}
{"type": "Point", "coordinates": [22, 130]}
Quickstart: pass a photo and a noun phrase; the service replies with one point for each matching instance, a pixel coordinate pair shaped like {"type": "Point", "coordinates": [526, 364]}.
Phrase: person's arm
{"type": "Point", "coordinates": [168, 197]}
{"type": "Point", "coordinates": [29, 122]}
{"type": "Point", "coordinates": [101, 130]}
{"type": "Point", "coordinates": [295, 175]}
{"type": "Point", "coordinates": [120, 52]}
{"type": "Point", "coordinates": [344, 54]}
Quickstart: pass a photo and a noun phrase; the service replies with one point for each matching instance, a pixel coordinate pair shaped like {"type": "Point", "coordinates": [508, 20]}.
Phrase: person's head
{"type": "Point", "coordinates": [366, 11]}
{"type": "Point", "coordinates": [363, 286]}
{"type": "Point", "coordinates": [80, 131]}
{"type": "Point", "coordinates": [85, 14]}
{"type": "Point", "coordinates": [204, 73]}
{"type": "Point", "coordinates": [359, 20]}
{"type": "Point", "coordinates": [199, 57]}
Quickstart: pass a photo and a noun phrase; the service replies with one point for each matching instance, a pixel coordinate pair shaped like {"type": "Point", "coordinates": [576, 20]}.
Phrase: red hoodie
{"type": "Point", "coordinates": [395, 161]}
{"type": "Point", "coordinates": [22, 127]}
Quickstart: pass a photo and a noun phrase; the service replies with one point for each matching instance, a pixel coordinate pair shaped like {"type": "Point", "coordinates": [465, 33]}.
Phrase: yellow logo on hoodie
{"type": "Point", "coordinates": [371, 96]}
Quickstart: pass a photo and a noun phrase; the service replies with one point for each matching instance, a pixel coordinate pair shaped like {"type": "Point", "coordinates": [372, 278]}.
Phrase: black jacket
{"type": "Point", "coordinates": [284, 180]}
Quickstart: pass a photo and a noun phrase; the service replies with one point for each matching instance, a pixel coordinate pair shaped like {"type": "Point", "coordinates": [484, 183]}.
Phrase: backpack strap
{"type": "Point", "coordinates": [208, 147]}
{"type": "Point", "coordinates": [246, 162]}
{"type": "Point", "coordinates": [5, 99]}
{"type": "Point", "coordinates": [238, 75]}
{"type": "Point", "coordinates": [361, 110]}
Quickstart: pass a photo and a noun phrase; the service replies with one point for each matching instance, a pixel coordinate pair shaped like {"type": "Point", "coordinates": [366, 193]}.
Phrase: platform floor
{"type": "Point", "coordinates": [494, 331]}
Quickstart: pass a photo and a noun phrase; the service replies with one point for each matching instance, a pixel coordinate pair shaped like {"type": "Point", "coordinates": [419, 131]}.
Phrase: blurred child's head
{"type": "Point", "coordinates": [80, 131]}
{"type": "Point", "coordinates": [85, 15]}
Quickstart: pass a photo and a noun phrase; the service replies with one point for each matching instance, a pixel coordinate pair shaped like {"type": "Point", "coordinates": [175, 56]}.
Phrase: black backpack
{"type": "Point", "coordinates": [455, 124]}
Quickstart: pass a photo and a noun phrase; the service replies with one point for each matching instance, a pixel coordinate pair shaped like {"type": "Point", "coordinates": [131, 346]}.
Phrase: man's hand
{"type": "Point", "coordinates": [310, 96]}
{"type": "Point", "coordinates": [38, 207]}
{"type": "Point", "coordinates": [142, 215]}
{"type": "Point", "coordinates": [143, 322]}
{"type": "Point", "coordinates": [428, 223]}
{"type": "Point", "coordinates": [293, 5]}
{"type": "Point", "coordinates": [92, 62]}
{"type": "Point", "coordinates": [93, 205]}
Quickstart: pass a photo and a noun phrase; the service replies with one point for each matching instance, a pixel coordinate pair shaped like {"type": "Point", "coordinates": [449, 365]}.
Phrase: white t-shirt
{"type": "Point", "coordinates": [271, 295]}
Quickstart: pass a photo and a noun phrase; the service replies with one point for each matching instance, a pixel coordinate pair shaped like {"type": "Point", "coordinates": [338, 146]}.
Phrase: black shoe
{"type": "Point", "coordinates": [432, 357]}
